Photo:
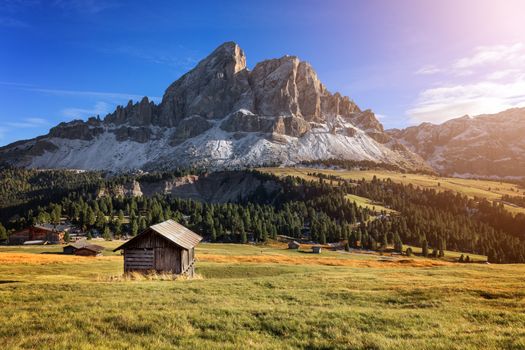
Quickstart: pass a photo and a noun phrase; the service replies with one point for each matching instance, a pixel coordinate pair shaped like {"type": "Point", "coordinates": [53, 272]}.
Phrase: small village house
{"type": "Point", "coordinates": [89, 250]}
{"type": "Point", "coordinates": [72, 248]}
{"type": "Point", "coordinates": [167, 247]}
{"type": "Point", "coordinates": [37, 242]}
{"type": "Point", "coordinates": [293, 245]}
{"type": "Point", "coordinates": [49, 233]}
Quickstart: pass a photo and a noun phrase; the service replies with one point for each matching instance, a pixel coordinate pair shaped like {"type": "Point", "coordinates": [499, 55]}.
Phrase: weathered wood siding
{"type": "Point", "coordinates": [168, 259]}
{"type": "Point", "coordinates": [154, 252]}
{"type": "Point", "coordinates": [86, 252]}
{"type": "Point", "coordinates": [69, 250]}
{"type": "Point", "coordinates": [139, 259]}
{"type": "Point", "coordinates": [150, 240]}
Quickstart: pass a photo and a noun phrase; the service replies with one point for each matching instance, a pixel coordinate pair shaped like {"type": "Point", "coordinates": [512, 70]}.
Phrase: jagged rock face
{"type": "Point", "coordinates": [137, 134]}
{"type": "Point", "coordinates": [367, 121]}
{"type": "Point", "coordinates": [221, 115]}
{"type": "Point", "coordinates": [144, 113]}
{"type": "Point", "coordinates": [190, 127]}
{"type": "Point", "coordinates": [483, 146]}
{"type": "Point", "coordinates": [216, 87]}
{"type": "Point", "coordinates": [75, 130]}
{"type": "Point", "coordinates": [218, 187]}
{"type": "Point", "coordinates": [241, 121]}
{"type": "Point", "coordinates": [293, 126]}
{"type": "Point", "coordinates": [286, 86]}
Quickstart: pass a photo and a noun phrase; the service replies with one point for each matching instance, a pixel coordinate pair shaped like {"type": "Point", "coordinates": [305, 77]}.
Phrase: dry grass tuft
{"type": "Point", "coordinates": [148, 276]}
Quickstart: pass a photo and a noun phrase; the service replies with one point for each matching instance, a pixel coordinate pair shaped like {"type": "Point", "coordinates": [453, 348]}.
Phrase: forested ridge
{"type": "Point", "coordinates": [319, 209]}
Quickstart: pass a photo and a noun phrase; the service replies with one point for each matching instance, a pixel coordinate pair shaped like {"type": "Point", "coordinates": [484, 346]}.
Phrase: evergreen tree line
{"type": "Point", "coordinates": [518, 200]}
{"type": "Point", "coordinates": [319, 209]}
{"type": "Point", "coordinates": [438, 218]}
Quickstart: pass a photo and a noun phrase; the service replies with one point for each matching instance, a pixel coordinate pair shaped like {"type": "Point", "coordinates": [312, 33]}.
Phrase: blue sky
{"type": "Point", "coordinates": [408, 60]}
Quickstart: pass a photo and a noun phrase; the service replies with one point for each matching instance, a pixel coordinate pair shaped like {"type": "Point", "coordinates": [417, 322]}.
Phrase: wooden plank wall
{"type": "Point", "coordinates": [138, 259]}
{"type": "Point", "coordinates": [149, 240]}
{"type": "Point", "coordinates": [154, 252]}
{"type": "Point", "coordinates": [168, 259]}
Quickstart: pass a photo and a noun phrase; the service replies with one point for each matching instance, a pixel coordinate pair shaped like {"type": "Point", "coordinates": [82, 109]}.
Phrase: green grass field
{"type": "Point", "coordinates": [260, 297]}
{"type": "Point", "coordinates": [491, 190]}
{"type": "Point", "coordinates": [367, 203]}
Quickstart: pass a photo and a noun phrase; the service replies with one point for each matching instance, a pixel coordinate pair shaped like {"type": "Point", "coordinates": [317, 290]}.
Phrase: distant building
{"type": "Point", "coordinates": [316, 249]}
{"type": "Point", "coordinates": [166, 247]}
{"type": "Point", "coordinates": [71, 248]}
{"type": "Point", "coordinates": [293, 245]}
{"type": "Point", "coordinates": [37, 242]}
{"type": "Point", "coordinates": [89, 250]}
{"type": "Point", "coordinates": [53, 234]}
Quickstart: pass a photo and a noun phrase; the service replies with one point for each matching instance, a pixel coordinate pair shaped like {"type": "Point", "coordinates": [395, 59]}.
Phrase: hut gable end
{"type": "Point", "coordinates": [148, 239]}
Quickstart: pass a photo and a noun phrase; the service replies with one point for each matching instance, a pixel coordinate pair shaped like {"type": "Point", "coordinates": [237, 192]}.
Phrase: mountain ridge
{"type": "Point", "coordinates": [221, 115]}
{"type": "Point", "coordinates": [487, 145]}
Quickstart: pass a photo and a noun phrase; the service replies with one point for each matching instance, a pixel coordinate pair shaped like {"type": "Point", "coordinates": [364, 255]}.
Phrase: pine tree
{"type": "Point", "coordinates": [142, 224]}
{"type": "Point", "coordinates": [134, 227]}
{"type": "Point", "coordinates": [3, 233]}
{"type": "Point", "coordinates": [56, 214]}
{"type": "Point", "coordinates": [213, 234]}
{"type": "Point", "coordinates": [121, 216]}
{"type": "Point", "coordinates": [384, 242]}
{"type": "Point", "coordinates": [424, 248]}
{"type": "Point", "coordinates": [90, 218]}
{"type": "Point", "coordinates": [106, 234]}
{"type": "Point", "coordinates": [322, 238]}
{"type": "Point", "coordinates": [117, 226]}
{"type": "Point", "coordinates": [100, 221]}
{"type": "Point", "coordinates": [441, 253]}
{"type": "Point", "coordinates": [398, 244]}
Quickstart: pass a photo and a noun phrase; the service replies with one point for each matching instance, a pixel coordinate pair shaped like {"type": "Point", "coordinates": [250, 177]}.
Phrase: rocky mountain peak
{"type": "Point", "coordinates": [214, 88]}
{"type": "Point", "coordinates": [222, 114]}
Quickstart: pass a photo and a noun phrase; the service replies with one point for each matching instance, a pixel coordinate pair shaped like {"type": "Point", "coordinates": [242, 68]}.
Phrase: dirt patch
{"type": "Point", "coordinates": [283, 259]}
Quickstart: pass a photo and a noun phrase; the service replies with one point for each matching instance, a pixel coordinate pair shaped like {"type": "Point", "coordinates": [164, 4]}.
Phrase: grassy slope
{"type": "Point", "coordinates": [367, 203]}
{"type": "Point", "coordinates": [491, 190]}
{"type": "Point", "coordinates": [253, 305]}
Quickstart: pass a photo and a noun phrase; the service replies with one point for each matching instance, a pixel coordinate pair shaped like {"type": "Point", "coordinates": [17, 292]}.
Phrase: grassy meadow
{"type": "Point", "coordinates": [260, 297]}
{"type": "Point", "coordinates": [491, 190]}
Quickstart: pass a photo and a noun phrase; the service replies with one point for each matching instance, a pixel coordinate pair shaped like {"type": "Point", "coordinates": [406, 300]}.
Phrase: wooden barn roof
{"type": "Point", "coordinates": [78, 244]}
{"type": "Point", "coordinates": [172, 231]}
{"type": "Point", "coordinates": [92, 247]}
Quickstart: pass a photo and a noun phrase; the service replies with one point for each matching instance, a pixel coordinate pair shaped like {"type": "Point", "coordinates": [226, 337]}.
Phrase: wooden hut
{"type": "Point", "coordinates": [72, 248]}
{"type": "Point", "coordinates": [89, 250]}
{"type": "Point", "coordinates": [167, 247]}
{"type": "Point", "coordinates": [316, 249]}
{"type": "Point", "coordinates": [293, 245]}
